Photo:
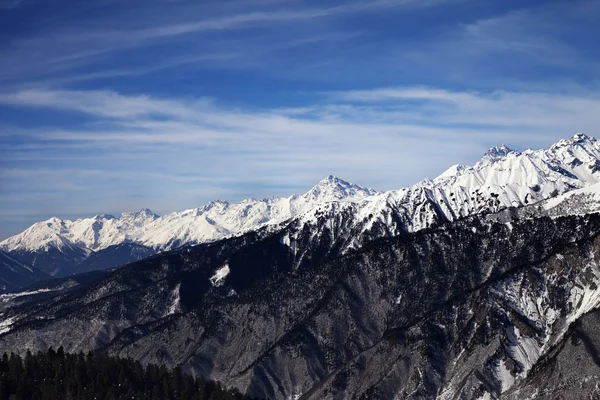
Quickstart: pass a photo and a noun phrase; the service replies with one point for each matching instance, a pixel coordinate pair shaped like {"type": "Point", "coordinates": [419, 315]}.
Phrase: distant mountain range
{"type": "Point", "coordinates": [483, 283]}
{"type": "Point", "coordinates": [502, 178]}
{"type": "Point", "coordinates": [60, 247]}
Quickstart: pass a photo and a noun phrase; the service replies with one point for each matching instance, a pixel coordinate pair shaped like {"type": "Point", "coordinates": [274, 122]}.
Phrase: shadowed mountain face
{"type": "Point", "coordinates": [53, 261]}
{"type": "Point", "coordinates": [114, 256]}
{"type": "Point", "coordinates": [467, 310]}
{"type": "Point", "coordinates": [571, 369]}
{"type": "Point", "coordinates": [15, 275]}
{"type": "Point", "coordinates": [74, 260]}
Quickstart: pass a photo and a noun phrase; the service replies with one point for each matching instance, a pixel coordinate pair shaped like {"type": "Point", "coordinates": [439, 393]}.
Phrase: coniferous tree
{"type": "Point", "coordinates": [58, 375]}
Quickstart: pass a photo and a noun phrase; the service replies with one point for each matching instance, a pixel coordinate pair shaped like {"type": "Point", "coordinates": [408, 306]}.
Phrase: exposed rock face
{"type": "Point", "coordinates": [443, 290]}
{"type": "Point", "coordinates": [571, 370]}
{"type": "Point", "coordinates": [467, 310]}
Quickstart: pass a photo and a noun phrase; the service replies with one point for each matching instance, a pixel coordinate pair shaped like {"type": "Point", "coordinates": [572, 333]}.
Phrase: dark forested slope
{"type": "Point", "coordinates": [56, 375]}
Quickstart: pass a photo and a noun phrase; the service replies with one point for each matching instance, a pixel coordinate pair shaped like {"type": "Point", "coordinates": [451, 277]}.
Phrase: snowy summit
{"type": "Point", "coordinates": [501, 179]}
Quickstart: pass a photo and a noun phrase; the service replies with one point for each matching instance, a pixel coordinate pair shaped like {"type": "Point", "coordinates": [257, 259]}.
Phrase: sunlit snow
{"type": "Point", "coordinates": [219, 277]}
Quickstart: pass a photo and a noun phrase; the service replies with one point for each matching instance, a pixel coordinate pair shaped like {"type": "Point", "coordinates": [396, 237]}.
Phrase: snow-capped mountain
{"type": "Point", "coordinates": [503, 178]}
{"type": "Point", "coordinates": [481, 305]}
{"type": "Point", "coordinates": [210, 222]}
{"type": "Point", "coordinates": [218, 219]}
{"type": "Point", "coordinates": [89, 233]}
{"type": "Point", "coordinates": [469, 310]}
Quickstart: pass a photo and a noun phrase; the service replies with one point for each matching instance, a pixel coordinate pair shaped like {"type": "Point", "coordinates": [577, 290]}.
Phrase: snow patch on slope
{"type": "Point", "coordinates": [11, 296]}
{"type": "Point", "coordinates": [220, 274]}
{"type": "Point", "coordinates": [6, 325]}
{"type": "Point", "coordinates": [175, 300]}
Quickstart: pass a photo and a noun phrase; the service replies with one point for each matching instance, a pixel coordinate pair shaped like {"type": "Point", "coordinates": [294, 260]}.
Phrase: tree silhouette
{"type": "Point", "coordinates": [59, 375]}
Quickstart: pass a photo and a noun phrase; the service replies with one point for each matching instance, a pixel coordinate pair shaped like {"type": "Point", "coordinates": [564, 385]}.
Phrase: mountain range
{"type": "Point", "coordinates": [63, 247]}
{"type": "Point", "coordinates": [482, 283]}
{"type": "Point", "coordinates": [502, 178]}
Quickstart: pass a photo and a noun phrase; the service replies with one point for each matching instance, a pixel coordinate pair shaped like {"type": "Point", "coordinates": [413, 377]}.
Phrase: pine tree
{"type": "Point", "coordinates": [57, 375]}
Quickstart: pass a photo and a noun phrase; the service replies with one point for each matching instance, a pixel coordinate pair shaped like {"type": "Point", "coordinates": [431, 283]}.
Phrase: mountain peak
{"type": "Point", "coordinates": [53, 220]}
{"type": "Point", "coordinates": [332, 179]}
{"type": "Point", "coordinates": [139, 217]}
{"type": "Point", "coordinates": [145, 212]}
{"type": "Point", "coordinates": [332, 188]}
{"type": "Point", "coordinates": [140, 212]}
{"type": "Point", "coordinates": [580, 139]}
{"type": "Point", "coordinates": [104, 216]}
{"type": "Point", "coordinates": [497, 152]}
{"type": "Point", "coordinates": [451, 172]}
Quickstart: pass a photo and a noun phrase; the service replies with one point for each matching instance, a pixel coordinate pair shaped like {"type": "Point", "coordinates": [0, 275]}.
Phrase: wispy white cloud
{"type": "Point", "coordinates": [546, 44]}
{"type": "Point", "coordinates": [243, 20]}
{"type": "Point", "coordinates": [98, 149]}
{"type": "Point", "coordinates": [525, 111]}
{"type": "Point", "coordinates": [98, 103]}
{"type": "Point", "coordinates": [230, 56]}
{"type": "Point", "coordinates": [530, 32]}
{"type": "Point", "coordinates": [79, 45]}
{"type": "Point", "coordinates": [174, 62]}
{"type": "Point", "coordinates": [255, 37]}
{"type": "Point", "coordinates": [393, 109]}
{"type": "Point", "coordinates": [170, 154]}
{"type": "Point", "coordinates": [359, 130]}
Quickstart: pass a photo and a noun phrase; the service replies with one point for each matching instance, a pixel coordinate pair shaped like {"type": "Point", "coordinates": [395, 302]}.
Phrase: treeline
{"type": "Point", "coordinates": [56, 375]}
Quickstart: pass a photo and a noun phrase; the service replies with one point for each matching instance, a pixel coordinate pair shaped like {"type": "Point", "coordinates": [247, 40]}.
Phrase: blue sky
{"type": "Point", "coordinates": [110, 106]}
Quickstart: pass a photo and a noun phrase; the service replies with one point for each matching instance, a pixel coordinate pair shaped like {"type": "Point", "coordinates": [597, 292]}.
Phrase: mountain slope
{"type": "Point", "coordinates": [390, 295]}
{"type": "Point", "coordinates": [434, 314]}
{"type": "Point", "coordinates": [15, 275]}
{"type": "Point", "coordinates": [502, 178]}
{"type": "Point", "coordinates": [58, 260]}
{"type": "Point", "coordinates": [114, 256]}
{"type": "Point", "coordinates": [455, 312]}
